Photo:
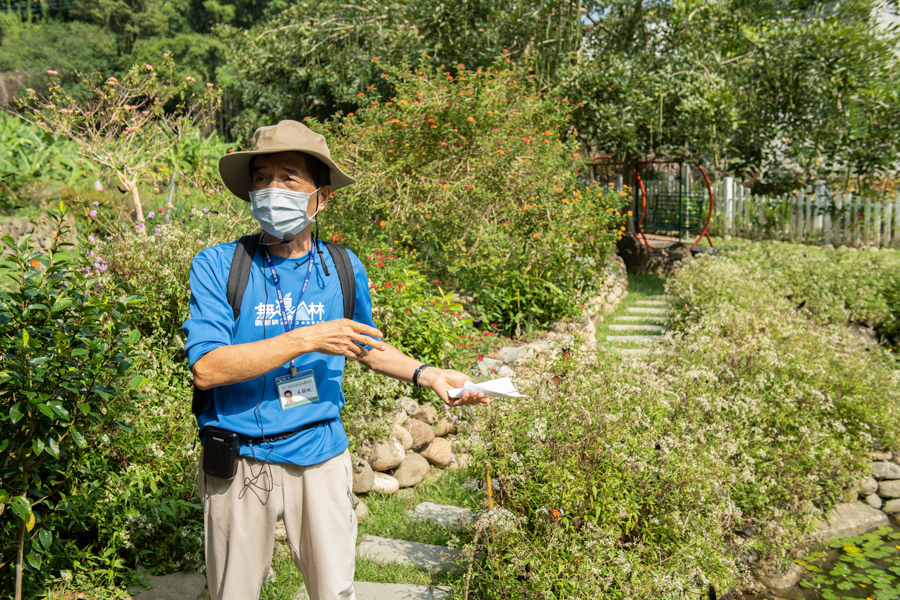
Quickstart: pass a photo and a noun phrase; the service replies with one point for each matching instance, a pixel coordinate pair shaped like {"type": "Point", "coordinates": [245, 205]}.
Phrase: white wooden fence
{"type": "Point", "coordinates": [817, 214]}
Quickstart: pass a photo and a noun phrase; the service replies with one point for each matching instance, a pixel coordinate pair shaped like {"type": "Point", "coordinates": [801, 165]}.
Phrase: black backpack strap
{"type": "Point", "coordinates": [345, 275]}
{"type": "Point", "coordinates": [239, 274]}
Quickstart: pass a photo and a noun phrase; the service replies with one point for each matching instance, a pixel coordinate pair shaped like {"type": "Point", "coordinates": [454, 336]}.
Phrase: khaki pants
{"type": "Point", "coordinates": [239, 517]}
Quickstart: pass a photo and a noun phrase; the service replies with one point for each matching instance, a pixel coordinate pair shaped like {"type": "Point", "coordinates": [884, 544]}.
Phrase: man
{"type": "Point", "coordinates": [290, 333]}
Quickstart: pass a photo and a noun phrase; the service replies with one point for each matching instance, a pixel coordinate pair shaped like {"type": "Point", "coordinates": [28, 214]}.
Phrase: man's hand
{"type": "Point", "coordinates": [441, 380]}
{"type": "Point", "coordinates": [341, 337]}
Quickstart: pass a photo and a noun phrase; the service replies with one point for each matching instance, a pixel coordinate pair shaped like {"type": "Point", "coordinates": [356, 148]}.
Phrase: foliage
{"type": "Point", "coordinates": [868, 564]}
{"type": "Point", "coordinates": [65, 390]}
{"type": "Point", "coordinates": [126, 125]}
{"type": "Point", "coordinates": [313, 58]}
{"type": "Point", "coordinates": [29, 155]}
{"type": "Point", "coordinates": [473, 171]}
{"type": "Point", "coordinates": [835, 286]}
{"type": "Point", "coordinates": [779, 93]}
{"type": "Point", "coordinates": [156, 265]}
{"type": "Point", "coordinates": [647, 477]}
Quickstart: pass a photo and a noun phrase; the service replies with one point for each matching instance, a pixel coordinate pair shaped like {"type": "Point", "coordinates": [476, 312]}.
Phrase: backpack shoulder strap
{"type": "Point", "coordinates": [239, 274]}
{"type": "Point", "coordinates": [345, 275]}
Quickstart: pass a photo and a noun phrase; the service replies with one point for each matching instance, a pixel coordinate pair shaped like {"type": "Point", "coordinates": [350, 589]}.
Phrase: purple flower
{"type": "Point", "coordinates": [157, 230]}
{"type": "Point", "coordinates": [91, 239]}
{"type": "Point", "coordinates": [140, 225]}
{"type": "Point", "coordinates": [446, 407]}
{"type": "Point", "coordinates": [151, 214]}
{"type": "Point", "coordinates": [95, 203]}
{"type": "Point", "coordinates": [205, 210]}
{"type": "Point", "coordinates": [452, 457]}
{"type": "Point", "coordinates": [453, 417]}
{"type": "Point", "coordinates": [92, 214]}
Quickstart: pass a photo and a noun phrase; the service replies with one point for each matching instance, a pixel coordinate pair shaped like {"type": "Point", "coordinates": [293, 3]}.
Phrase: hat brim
{"type": "Point", "coordinates": [234, 169]}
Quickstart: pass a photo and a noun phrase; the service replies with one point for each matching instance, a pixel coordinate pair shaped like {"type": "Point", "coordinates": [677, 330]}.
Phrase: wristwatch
{"type": "Point", "coordinates": [418, 372]}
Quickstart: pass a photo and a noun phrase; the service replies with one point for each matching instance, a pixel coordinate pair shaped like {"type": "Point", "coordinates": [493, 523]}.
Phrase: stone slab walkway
{"type": "Point", "coordinates": [423, 556]}
{"type": "Point", "coordinates": [442, 514]}
{"type": "Point", "coordinates": [629, 327]}
{"type": "Point", "coordinates": [644, 318]}
{"type": "Point", "coordinates": [399, 591]}
{"type": "Point", "coordinates": [647, 310]}
{"type": "Point", "coordinates": [652, 303]}
{"type": "Point", "coordinates": [632, 338]}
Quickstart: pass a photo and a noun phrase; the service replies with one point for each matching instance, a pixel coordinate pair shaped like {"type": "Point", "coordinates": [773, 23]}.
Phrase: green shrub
{"type": "Point", "coordinates": [475, 170]}
{"type": "Point", "coordinates": [752, 422]}
{"type": "Point", "coordinates": [65, 349]}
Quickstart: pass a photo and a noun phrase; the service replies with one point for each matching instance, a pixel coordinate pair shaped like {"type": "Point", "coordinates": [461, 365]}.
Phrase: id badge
{"type": "Point", "coordinates": [297, 390]}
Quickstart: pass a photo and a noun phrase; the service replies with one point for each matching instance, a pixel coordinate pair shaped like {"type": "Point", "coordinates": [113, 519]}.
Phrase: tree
{"type": "Point", "coordinates": [125, 125]}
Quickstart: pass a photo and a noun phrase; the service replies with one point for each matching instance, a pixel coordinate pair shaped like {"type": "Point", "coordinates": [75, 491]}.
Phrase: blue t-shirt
{"type": "Point", "coordinates": [252, 408]}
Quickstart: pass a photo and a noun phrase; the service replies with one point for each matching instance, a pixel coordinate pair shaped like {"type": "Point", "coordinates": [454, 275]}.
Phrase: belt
{"type": "Point", "coordinates": [268, 439]}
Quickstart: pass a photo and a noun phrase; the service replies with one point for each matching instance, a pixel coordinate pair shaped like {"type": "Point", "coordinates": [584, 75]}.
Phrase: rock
{"type": "Point", "coordinates": [442, 514]}
{"type": "Point", "coordinates": [778, 579]}
{"type": "Point", "coordinates": [868, 486]}
{"type": "Point", "coordinates": [509, 354]}
{"type": "Point", "coordinates": [558, 327]}
{"type": "Point", "coordinates": [479, 484]}
{"type": "Point", "coordinates": [361, 510]}
{"type": "Point", "coordinates": [421, 434]}
{"type": "Point", "coordinates": [850, 518]}
{"type": "Point", "coordinates": [891, 507]}
{"type": "Point", "coordinates": [438, 452]}
{"type": "Point", "coordinates": [460, 461]}
{"type": "Point", "coordinates": [363, 476]}
{"type": "Point", "coordinates": [386, 455]}
{"type": "Point", "coordinates": [444, 426]}
{"type": "Point", "coordinates": [403, 436]}
{"type": "Point", "coordinates": [280, 532]}
{"type": "Point", "coordinates": [407, 494]}
{"type": "Point", "coordinates": [889, 489]}
{"type": "Point", "coordinates": [427, 413]}
{"type": "Point", "coordinates": [412, 470]}
{"type": "Point", "coordinates": [726, 237]}
{"type": "Point", "coordinates": [874, 501]}
{"type": "Point", "coordinates": [385, 484]}
{"type": "Point", "coordinates": [607, 309]}
{"type": "Point", "coordinates": [885, 470]}
{"type": "Point", "coordinates": [881, 455]}
{"type": "Point", "coordinates": [178, 586]}
{"type": "Point", "coordinates": [505, 371]}
{"type": "Point", "coordinates": [400, 416]}
{"type": "Point", "coordinates": [536, 348]}
{"type": "Point", "coordinates": [410, 406]}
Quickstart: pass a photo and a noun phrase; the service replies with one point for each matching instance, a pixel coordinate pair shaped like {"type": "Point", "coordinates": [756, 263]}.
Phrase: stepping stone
{"type": "Point", "coordinates": [632, 338]}
{"type": "Point", "coordinates": [652, 303]}
{"type": "Point", "coordinates": [632, 350]}
{"type": "Point", "coordinates": [647, 310]}
{"type": "Point", "coordinates": [423, 556]}
{"type": "Point", "coordinates": [399, 591]}
{"type": "Point", "coordinates": [656, 328]}
{"type": "Point", "coordinates": [660, 297]}
{"type": "Point", "coordinates": [651, 318]}
{"type": "Point", "coordinates": [442, 514]}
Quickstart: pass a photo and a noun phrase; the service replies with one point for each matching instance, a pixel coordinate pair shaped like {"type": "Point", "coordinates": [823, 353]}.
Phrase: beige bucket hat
{"type": "Point", "coordinates": [287, 136]}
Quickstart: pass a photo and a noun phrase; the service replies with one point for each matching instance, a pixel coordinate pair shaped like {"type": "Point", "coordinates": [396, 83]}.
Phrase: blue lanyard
{"type": "Point", "coordinates": [281, 305]}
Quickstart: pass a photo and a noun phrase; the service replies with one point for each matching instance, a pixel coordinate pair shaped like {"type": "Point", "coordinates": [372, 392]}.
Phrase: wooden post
{"type": "Point", "coordinates": [888, 224]}
{"type": "Point", "coordinates": [728, 199]}
{"type": "Point", "coordinates": [867, 220]}
{"type": "Point", "coordinates": [876, 224]}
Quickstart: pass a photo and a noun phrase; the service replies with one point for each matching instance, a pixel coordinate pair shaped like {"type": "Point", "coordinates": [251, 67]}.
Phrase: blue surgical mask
{"type": "Point", "coordinates": [281, 211]}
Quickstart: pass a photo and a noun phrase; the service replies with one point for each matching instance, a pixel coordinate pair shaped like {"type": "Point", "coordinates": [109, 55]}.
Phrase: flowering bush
{"type": "Point", "coordinates": [647, 478]}
{"type": "Point", "coordinates": [476, 170]}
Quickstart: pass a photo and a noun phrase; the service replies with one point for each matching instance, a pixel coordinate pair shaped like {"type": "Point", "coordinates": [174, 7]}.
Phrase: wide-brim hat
{"type": "Point", "coordinates": [286, 136]}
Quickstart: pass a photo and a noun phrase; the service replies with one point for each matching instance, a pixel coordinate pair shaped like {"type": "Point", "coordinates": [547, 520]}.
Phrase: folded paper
{"type": "Point", "coordinates": [496, 388]}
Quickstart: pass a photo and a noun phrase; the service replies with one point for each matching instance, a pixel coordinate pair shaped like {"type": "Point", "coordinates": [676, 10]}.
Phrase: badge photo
{"type": "Point", "coordinates": [297, 390]}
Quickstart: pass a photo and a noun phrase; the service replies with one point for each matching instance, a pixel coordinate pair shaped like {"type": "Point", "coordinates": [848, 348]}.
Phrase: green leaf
{"type": "Point", "coordinates": [53, 447]}
{"type": "Point", "coordinates": [137, 381]}
{"type": "Point", "coordinates": [34, 559]}
{"type": "Point", "coordinates": [15, 412]}
{"type": "Point", "coordinates": [38, 445]}
{"type": "Point", "coordinates": [46, 410]}
{"type": "Point", "coordinates": [22, 508]}
{"type": "Point", "coordinates": [3, 445]}
{"type": "Point", "coordinates": [25, 338]}
{"type": "Point", "coordinates": [45, 538]}
{"type": "Point", "coordinates": [62, 304]}
{"type": "Point", "coordinates": [77, 438]}
{"type": "Point", "coordinates": [78, 352]}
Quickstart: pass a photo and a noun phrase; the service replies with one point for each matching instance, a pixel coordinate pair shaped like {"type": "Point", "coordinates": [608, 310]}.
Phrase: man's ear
{"type": "Point", "coordinates": [324, 197]}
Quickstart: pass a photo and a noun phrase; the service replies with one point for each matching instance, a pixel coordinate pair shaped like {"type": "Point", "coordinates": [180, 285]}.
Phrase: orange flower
{"type": "Point", "coordinates": [445, 186]}
{"type": "Point", "coordinates": [383, 223]}
{"type": "Point", "coordinates": [470, 119]}
{"type": "Point", "coordinates": [35, 263]}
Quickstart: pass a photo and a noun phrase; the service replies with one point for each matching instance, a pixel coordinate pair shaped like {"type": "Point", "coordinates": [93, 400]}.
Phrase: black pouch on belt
{"type": "Point", "coordinates": [220, 452]}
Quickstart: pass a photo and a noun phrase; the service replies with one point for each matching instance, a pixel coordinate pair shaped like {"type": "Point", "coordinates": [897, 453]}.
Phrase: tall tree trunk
{"type": "Point", "coordinates": [131, 186]}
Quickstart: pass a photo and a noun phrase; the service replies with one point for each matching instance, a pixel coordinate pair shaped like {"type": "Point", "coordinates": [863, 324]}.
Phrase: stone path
{"type": "Point", "coordinates": [644, 324]}
{"type": "Point", "coordinates": [423, 556]}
